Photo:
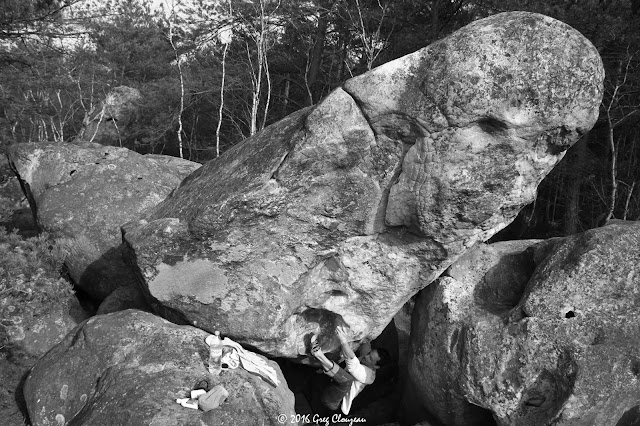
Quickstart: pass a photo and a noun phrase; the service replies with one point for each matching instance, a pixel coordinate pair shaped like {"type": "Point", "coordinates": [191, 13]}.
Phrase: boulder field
{"type": "Point", "coordinates": [340, 214]}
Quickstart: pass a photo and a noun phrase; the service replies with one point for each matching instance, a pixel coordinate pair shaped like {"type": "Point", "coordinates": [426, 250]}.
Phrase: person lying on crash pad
{"type": "Point", "coordinates": [359, 372]}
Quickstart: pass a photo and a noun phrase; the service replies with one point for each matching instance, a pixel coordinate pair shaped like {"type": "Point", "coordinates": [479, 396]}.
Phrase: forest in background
{"type": "Point", "coordinates": [212, 73]}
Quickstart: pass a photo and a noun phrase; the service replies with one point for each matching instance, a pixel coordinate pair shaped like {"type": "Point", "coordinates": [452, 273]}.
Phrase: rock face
{"type": "Point", "coordinates": [547, 335]}
{"type": "Point", "coordinates": [83, 195]}
{"type": "Point", "coordinates": [306, 224]}
{"type": "Point", "coordinates": [129, 367]}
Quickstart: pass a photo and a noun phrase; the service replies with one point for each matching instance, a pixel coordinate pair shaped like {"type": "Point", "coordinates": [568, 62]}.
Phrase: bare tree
{"type": "Point", "coordinates": [372, 40]}
{"type": "Point", "coordinates": [260, 68]}
{"type": "Point", "coordinates": [225, 35]}
{"type": "Point", "coordinates": [612, 123]}
{"type": "Point", "coordinates": [171, 20]}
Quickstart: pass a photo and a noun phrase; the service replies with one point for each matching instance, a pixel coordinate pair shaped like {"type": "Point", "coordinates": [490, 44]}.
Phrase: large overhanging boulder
{"type": "Point", "coordinates": [343, 211]}
{"type": "Point", "coordinates": [547, 335]}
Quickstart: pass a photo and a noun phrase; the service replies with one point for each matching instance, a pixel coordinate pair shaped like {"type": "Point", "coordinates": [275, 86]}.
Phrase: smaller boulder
{"type": "Point", "coordinates": [122, 298]}
{"type": "Point", "coordinates": [532, 336]}
{"type": "Point", "coordinates": [83, 194]}
{"type": "Point", "coordinates": [26, 334]}
{"type": "Point", "coordinates": [108, 124]}
{"type": "Point", "coordinates": [130, 367]}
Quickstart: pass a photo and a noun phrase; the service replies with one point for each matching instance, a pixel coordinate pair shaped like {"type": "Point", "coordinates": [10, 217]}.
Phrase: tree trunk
{"type": "Point", "coordinates": [343, 55]}
{"type": "Point", "coordinates": [177, 57]}
{"type": "Point", "coordinates": [221, 109]}
{"type": "Point", "coordinates": [575, 171]}
{"type": "Point", "coordinates": [613, 169]}
{"type": "Point", "coordinates": [315, 59]}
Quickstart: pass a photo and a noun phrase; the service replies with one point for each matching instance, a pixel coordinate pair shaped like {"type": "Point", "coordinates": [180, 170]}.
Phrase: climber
{"type": "Point", "coordinates": [360, 372]}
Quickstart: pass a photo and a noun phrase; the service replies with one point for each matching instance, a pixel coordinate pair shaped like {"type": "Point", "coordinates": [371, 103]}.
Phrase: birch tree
{"type": "Point", "coordinates": [171, 24]}
{"type": "Point", "coordinates": [225, 36]}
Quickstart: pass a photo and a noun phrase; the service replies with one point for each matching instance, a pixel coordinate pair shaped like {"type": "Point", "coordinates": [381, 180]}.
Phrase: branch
{"type": "Point", "coordinates": [632, 113]}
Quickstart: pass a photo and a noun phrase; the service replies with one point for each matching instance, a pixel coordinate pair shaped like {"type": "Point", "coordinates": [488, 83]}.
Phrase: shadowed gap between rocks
{"type": "Point", "coordinates": [631, 417]}
{"type": "Point", "coordinates": [18, 396]}
{"type": "Point", "coordinates": [117, 286]}
{"type": "Point", "coordinates": [378, 403]}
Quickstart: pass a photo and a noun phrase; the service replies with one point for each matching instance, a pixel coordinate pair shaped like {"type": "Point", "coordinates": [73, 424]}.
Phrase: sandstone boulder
{"type": "Point", "coordinates": [122, 298]}
{"type": "Point", "coordinates": [532, 337]}
{"type": "Point", "coordinates": [83, 195]}
{"type": "Point", "coordinates": [107, 124]}
{"type": "Point", "coordinates": [27, 333]}
{"type": "Point", "coordinates": [343, 211]}
{"type": "Point", "coordinates": [129, 367]}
